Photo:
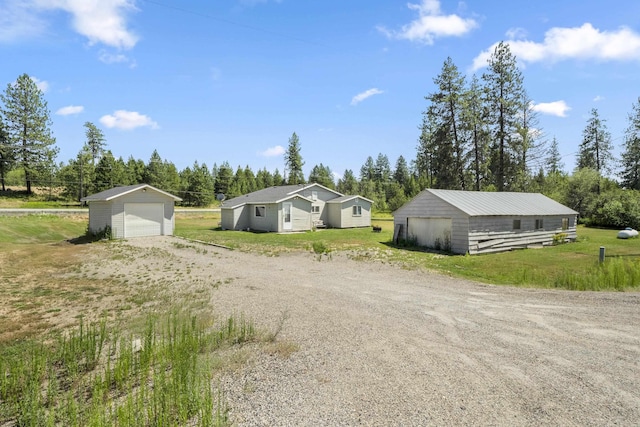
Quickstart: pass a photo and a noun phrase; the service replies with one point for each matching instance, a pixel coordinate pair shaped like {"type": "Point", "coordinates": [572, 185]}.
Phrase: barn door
{"type": "Point", "coordinates": [432, 233]}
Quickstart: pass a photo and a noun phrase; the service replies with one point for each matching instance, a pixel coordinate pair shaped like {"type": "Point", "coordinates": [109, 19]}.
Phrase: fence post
{"type": "Point", "coordinates": [601, 254]}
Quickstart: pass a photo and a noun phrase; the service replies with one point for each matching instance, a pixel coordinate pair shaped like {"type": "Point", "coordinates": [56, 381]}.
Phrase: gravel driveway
{"type": "Point", "coordinates": [380, 345]}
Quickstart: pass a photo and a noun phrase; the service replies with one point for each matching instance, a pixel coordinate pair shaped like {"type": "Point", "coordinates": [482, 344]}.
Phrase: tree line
{"type": "Point", "coordinates": [479, 133]}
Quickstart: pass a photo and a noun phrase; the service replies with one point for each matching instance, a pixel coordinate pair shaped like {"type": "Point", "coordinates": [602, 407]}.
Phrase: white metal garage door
{"type": "Point", "coordinates": [430, 232]}
{"type": "Point", "coordinates": [143, 219]}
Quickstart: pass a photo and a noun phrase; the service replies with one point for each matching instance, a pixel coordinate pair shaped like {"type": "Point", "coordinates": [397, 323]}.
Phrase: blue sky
{"type": "Point", "coordinates": [231, 80]}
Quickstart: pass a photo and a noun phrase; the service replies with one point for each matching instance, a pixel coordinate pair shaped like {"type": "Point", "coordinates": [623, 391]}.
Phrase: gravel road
{"type": "Point", "coordinates": [381, 345]}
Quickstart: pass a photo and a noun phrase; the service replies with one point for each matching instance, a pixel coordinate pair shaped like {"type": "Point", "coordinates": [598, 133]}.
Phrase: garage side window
{"type": "Point", "coordinates": [565, 223]}
{"type": "Point", "coordinates": [539, 224]}
{"type": "Point", "coordinates": [357, 210]}
{"type": "Point", "coordinates": [260, 211]}
{"type": "Point", "coordinates": [516, 224]}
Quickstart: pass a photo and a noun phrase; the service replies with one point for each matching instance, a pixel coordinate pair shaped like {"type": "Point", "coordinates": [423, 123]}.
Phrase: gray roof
{"type": "Point", "coordinates": [483, 203]}
{"type": "Point", "coordinates": [113, 193]}
{"type": "Point", "coordinates": [343, 199]}
{"type": "Point", "coordinates": [271, 195]}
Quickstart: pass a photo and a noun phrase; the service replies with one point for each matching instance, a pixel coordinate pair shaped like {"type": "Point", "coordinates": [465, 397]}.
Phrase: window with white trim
{"type": "Point", "coordinates": [315, 209]}
{"type": "Point", "coordinates": [260, 211]}
{"type": "Point", "coordinates": [357, 210]}
{"type": "Point", "coordinates": [539, 224]}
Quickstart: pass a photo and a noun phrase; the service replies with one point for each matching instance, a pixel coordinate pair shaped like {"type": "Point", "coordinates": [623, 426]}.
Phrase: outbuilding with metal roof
{"type": "Point", "coordinates": [131, 211]}
{"type": "Point", "coordinates": [479, 222]}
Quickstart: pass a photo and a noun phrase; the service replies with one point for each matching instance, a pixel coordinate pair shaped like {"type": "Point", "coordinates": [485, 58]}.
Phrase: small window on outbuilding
{"type": "Point", "coordinates": [516, 224]}
{"type": "Point", "coordinates": [565, 223]}
{"type": "Point", "coordinates": [357, 210]}
{"type": "Point", "coordinates": [539, 224]}
{"type": "Point", "coordinates": [261, 211]}
{"type": "Point", "coordinates": [315, 209]}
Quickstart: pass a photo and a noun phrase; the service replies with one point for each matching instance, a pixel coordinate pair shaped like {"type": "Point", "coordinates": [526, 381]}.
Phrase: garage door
{"type": "Point", "coordinates": [430, 232]}
{"type": "Point", "coordinates": [143, 219]}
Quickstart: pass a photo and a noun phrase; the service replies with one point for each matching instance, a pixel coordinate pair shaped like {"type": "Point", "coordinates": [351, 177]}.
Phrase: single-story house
{"type": "Point", "coordinates": [295, 208]}
{"type": "Point", "coordinates": [132, 211]}
{"type": "Point", "coordinates": [479, 222]}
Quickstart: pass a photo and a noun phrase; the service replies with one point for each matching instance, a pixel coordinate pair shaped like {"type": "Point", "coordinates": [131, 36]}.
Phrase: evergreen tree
{"type": "Point", "coordinates": [631, 155]}
{"type": "Point", "coordinates": [6, 155]}
{"type": "Point", "coordinates": [264, 179]}
{"type": "Point", "coordinates": [528, 146]}
{"type": "Point", "coordinates": [27, 122]}
{"type": "Point", "coordinates": [322, 175]}
{"type": "Point", "coordinates": [223, 180]}
{"type": "Point", "coordinates": [200, 185]}
{"type": "Point", "coordinates": [108, 172]}
{"type": "Point", "coordinates": [554, 160]}
{"type": "Point", "coordinates": [250, 180]}
{"type": "Point", "coordinates": [401, 172]}
{"type": "Point", "coordinates": [445, 114]}
{"type": "Point", "coordinates": [474, 115]}
{"type": "Point", "coordinates": [504, 95]}
{"type": "Point", "coordinates": [277, 178]}
{"type": "Point", "coordinates": [367, 171]}
{"type": "Point", "coordinates": [293, 161]}
{"type": "Point", "coordinates": [425, 163]}
{"type": "Point", "coordinates": [135, 171]}
{"type": "Point", "coordinates": [595, 148]}
{"type": "Point", "coordinates": [95, 141]}
{"type": "Point", "coordinates": [382, 169]}
{"type": "Point", "coordinates": [348, 184]}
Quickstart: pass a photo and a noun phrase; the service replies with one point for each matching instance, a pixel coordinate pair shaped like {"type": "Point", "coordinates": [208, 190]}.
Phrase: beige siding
{"type": "Point", "coordinates": [323, 196]}
{"type": "Point", "coordinates": [341, 214]}
{"type": "Point", "coordinates": [235, 219]}
{"type": "Point", "coordinates": [267, 223]}
{"type": "Point", "coordinates": [301, 220]}
{"type": "Point", "coordinates": [99, 216]}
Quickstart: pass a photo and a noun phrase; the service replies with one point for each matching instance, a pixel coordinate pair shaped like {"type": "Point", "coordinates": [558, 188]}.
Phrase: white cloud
{"type": "Point", "coordinates": [278, 150]}
{"type": "Point", "coordinates": [364, 95]}
{"type": "Point", "coordinates": [100, 21]}
{"type": "Point", "coordinates": [516, 33]}
{"type": "Point", "coordinates": [556, 108]}
{"type": "Point", "coordinates": [431, 24]}
{"type": "Point", "coordinates": [582, 43]}
{"type": "Point", "coordinates": [127, 120]}
{"type": "Point", "coordinates": [598, 98]}
{"type": "Point", "coordinates": [42, 84]}
{"type": "Point", "coordinates": [69, 110]}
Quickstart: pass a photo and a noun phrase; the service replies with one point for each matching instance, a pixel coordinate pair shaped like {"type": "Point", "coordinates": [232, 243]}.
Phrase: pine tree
{"type": "Point", "coordinates": [348, 184]}
{"type": "Point", "coordinates": [445, 116]}
{"type": "Point", "coordinates": [108, 172]}
{"type": "Point", "coordinates": [223, 180]}
{"type": "Point", "coordinates": [322, 175]}
{"type": "Point", "coordinates": [27, 122]}
{"type": "Point", "coordinates": [401, 173]}
{"type": "Point", "coordinates": [595, 148]}
{"type": "Point", "coordinates": [6, 155]}
{"type": "Point", "coordinates": [474, 120]}
{"type": "Point", "coordinates": [293, 161]}
{"type": "Point", "coordinates": [95, 141]}
{"type": "Point", "coordinates": [503, 97]}
{"type": "Point", "coordinates": [631, 156]}
{"type": "Point", "coordinates": [367, 171]}
{"type": "Point", "coordinates": [554, 160]}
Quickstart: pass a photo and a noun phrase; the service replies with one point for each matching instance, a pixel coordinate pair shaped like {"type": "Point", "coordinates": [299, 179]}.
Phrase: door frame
{"type": "Point", "coordinates": [287, 225]}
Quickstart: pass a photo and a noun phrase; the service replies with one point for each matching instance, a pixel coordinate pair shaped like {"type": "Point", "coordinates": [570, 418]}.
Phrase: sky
{"type": "Point", "coordinates": [231, 80]}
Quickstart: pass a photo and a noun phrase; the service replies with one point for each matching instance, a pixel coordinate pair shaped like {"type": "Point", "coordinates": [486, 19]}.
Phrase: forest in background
{"type": "Point", "coordinates": [479, 133]}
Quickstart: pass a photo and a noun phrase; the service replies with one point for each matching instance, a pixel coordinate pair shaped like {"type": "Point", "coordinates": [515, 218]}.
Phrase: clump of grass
{"type": "Point", "coordinates": [615, 273]}
{"type": "Point", "coordinates": [98, 377]}
{"type": "Point", "coordinates": [320, 248]}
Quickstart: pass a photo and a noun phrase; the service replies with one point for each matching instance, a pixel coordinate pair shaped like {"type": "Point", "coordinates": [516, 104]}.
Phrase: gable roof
{"type": "Point", "coordinates": [343, 199]}
{"type": "Point", "coordinates": [273, 195]}
{"type": "Point", "coordinates": [484, 203]}
{"type": "Point", "coordinates": [114, 193]}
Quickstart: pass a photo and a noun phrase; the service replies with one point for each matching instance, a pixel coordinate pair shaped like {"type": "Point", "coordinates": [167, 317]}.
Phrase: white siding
{"type": "Point", "coordinates": [99, 216]}
{"type": "Point", "coordinates": [425, 205]}
{"type": "Point", "coordinates": [267, 223]}
{"type": "Point", "coordinates": [432, 233]}
{"type": "Point", "coordinates": [117, 210]}
{"type": "Point", "coordinates": [143, 219]}
{"type": "Point", "coordinates": [341, 214]}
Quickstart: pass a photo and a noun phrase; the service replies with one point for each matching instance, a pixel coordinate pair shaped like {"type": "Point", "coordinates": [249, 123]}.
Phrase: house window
{"type": "Point", "coordinates": [261, 211]}
{"type": "Point", "coordinates": [315, 209]}
{"type": "Point", "coordinates": [539, 224]}
{"type": "Point", "coordinates": [516, 224]}
{"type": "Point", "coordinates": [314, 195]}
{"type": "Point", "coordinates": [357, 210]}
{"type": "Point", "coordinates": [565, 223]}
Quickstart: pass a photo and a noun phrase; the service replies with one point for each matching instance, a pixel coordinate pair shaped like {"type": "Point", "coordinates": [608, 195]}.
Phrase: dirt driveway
{"type": "Point", "coordinates": [380, 345]}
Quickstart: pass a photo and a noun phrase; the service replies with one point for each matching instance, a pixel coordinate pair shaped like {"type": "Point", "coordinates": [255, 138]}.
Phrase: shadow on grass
{"type": "Point", "coordinates": [412, 248]}
{"type": "Point", "coordinates": [84, 239]}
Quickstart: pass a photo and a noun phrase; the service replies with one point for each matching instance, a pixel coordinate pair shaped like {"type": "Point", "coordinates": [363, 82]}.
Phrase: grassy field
{"type": "Point", "coordinates": [77, 349]}
{"type": "Point", "coordinates": [567, 266]}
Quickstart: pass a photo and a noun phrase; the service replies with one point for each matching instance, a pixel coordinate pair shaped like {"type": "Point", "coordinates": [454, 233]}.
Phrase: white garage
{"type": "Point", "coordinates": [131, 211]}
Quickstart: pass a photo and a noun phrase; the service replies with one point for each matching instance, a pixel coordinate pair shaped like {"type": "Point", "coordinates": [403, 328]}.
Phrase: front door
{"type": "Point", "coordinates": [287, 207]}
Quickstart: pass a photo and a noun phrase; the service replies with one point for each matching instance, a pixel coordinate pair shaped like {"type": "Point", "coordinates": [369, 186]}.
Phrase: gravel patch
{"type": "Point", "coordinates": [380, 345]}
